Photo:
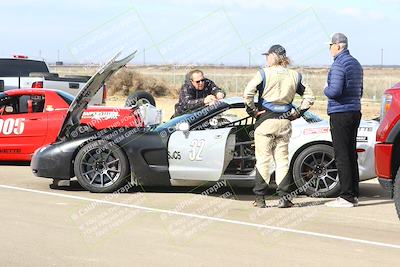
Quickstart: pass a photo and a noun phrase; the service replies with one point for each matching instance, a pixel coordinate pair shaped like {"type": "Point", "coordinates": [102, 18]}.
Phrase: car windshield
{"type": "Point", "coordinates": [169, 125]}
{"type": "Point", "coordinates": [17, 67]}
{"type": "Point", "coordinates": [67, 97]}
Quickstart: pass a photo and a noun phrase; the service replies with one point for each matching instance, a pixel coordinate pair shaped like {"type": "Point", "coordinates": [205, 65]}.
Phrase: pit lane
{"type": "Point", "coordinates": [196, 226]}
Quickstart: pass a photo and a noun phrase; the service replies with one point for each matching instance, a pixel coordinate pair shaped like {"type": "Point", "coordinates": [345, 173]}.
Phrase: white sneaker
{"type": "Point", "coordinates": [340, 203]}
{"type": "Point", "coordinates": [355, 202]}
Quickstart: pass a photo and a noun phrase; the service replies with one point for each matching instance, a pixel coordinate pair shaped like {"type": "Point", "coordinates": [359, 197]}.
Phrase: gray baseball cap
{"type": "Point", "coordinates": [338, 38]}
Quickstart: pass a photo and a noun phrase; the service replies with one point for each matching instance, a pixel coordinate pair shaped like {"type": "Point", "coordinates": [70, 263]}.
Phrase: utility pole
{"type": "Point", "coordinates": [58, 55]}
{"type": "Point", "coordinates": [381, 57]}
{"type": "Point", "coordinates": [144, 56]}
{"type": "Point", "coordinates": [249, 56]}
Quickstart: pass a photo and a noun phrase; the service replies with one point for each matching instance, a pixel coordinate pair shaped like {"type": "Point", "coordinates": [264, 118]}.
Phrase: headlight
{"type": "Point", "coordinates": [386, 103]}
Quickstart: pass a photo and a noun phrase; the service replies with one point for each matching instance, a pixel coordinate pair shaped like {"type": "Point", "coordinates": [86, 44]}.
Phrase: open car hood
{"type": "Point", "coordinates": [81, 101]}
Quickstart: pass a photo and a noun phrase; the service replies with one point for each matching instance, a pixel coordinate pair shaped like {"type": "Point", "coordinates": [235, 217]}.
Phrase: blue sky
{"type": "Point", "coordinates": [197, 32]}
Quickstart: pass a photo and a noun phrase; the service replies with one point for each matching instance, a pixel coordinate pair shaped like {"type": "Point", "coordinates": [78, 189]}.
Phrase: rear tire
{"type": "Point", "coordinates": [315, 170]}
{"type": "Point", "coordinates": [101, 167]}
{"type": "Point", "coordinates": [396, 191]}
{"type": "Point", "coordinates": [139, 97]}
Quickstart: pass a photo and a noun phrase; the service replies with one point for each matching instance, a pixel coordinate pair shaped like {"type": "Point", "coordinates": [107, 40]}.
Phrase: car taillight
{"type": "Point", "coordinates": [37, 85]}
{"type": "Point", "coordinates": [104, 93]}
{"type": "Point", "coordinates": [386, 103]}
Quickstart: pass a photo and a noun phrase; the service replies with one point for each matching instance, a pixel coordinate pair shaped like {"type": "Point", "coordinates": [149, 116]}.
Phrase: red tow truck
{"type": "Point", "coordinates": [387, 148]}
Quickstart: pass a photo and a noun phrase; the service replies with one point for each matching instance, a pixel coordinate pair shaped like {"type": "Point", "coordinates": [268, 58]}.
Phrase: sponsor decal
{"type": "Point", "coordinates": [12, 126]}
{"type": "Point", "coordinates": [10, 151]}
{"type": "Point", "coordinates": [362, 138]}
{"type": "Point", "coordinates": [174, 155]}
{"type": "Point", "coordinates": [100, 115]}
{"type": "Point", "coordinates": [365, 129]}
{"type": "Point", "coordinates": [316, 130]}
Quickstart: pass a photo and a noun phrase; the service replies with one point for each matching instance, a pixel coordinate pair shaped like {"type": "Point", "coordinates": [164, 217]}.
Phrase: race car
{"type": "Point", "coordinates": [31, 118]}
{"type": "Point", "coordinates": [211, 144]}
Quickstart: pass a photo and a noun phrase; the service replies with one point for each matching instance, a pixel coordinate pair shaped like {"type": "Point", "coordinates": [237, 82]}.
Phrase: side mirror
{"type": "Point", "coordinates": [1, 85]}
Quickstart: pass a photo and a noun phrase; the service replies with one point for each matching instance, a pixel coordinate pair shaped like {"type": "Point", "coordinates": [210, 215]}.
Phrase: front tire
{"type": "Point", "coordinates": [315, 171]}
{"type": "Point", "coordinates": [101, 167]}
{"type": "Point", "coordinates": [396, 196]}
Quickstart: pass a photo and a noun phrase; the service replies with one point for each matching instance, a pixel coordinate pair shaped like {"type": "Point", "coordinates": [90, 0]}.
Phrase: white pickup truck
{"type": "Point", "coordinates": [20, 72]}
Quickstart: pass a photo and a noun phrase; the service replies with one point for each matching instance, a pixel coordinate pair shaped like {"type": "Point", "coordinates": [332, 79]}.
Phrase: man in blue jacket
{"type": "Point", "coordinates": [344, 91]}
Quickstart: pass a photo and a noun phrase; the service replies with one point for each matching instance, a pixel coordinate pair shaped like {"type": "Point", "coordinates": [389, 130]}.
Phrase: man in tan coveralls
{"type": "Point", "coordinates": [276, 86]}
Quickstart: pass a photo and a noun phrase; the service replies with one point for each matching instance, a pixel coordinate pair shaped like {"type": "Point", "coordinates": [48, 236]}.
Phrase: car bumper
{"type": "Point", "coordinates": [52, 162]}
{"type": "Point", "coordinates": [383, 160]}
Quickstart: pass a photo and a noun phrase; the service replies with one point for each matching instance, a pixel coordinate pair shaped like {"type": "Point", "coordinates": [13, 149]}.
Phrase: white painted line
{"type": "Point", "coordinates": [243, 223]}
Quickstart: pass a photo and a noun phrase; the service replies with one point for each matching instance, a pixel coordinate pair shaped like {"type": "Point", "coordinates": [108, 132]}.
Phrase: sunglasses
{"type": "Point", "coordinates": [199, 81]}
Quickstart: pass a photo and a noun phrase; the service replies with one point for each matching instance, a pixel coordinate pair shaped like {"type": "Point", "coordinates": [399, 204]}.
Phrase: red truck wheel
{"type": "Point", "coordinates": [397, 193]}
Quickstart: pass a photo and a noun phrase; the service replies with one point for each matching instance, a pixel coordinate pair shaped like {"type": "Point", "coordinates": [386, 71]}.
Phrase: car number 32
{"type": "Point", "coordinates": [196, 149]}
{"type": "Point", "coordinates": [12, 126]}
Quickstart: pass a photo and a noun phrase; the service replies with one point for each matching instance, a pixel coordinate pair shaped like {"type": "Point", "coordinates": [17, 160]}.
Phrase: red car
{"type": "Point", "coordinates": [31, 118]}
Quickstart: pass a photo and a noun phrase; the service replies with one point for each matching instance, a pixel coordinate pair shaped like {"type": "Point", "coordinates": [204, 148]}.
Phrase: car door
{"type": "Point", "coordinates": [200, 154]}
{"type": "Point", "coordinates": [22, 128]}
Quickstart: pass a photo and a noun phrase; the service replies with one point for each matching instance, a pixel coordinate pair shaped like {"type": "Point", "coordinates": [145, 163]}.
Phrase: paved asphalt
{"type": "Point", "coordinates": [183, 227]}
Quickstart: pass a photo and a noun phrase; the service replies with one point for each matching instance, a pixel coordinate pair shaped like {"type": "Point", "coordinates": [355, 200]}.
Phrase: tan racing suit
{"type": "Point", "coordinates": [273, 129]}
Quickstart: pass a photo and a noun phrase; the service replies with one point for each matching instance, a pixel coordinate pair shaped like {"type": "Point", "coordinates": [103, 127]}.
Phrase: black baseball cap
{"type": "Point", "coordinates": [277, 49]}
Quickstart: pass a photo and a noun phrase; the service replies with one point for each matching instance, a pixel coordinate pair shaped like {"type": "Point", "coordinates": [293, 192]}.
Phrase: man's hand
{"type": "Point", "coordinates": [254, 112]}
{"type": "Point", "coordinates": [209, 99]}
{"type": "Point", "coordinates": [296, 113]}
{"type": "Point", "coordinates": [220, 95]}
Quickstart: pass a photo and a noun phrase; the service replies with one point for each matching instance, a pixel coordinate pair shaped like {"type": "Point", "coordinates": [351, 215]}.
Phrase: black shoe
{"type": "Point", "coordinates": [259, 202]}
{"type": "Point", "coordinates": [284, 203]}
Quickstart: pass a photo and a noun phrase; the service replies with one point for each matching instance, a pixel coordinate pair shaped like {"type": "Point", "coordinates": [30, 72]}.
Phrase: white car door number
{"type": "Point", "coordinates": [10, 126]}
{"type": "Point", "coordinates": [196, 149]}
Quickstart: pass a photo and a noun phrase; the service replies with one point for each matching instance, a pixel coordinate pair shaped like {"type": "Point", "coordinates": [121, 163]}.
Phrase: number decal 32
{"type": "Point", "coordinates": [12, 126]}
{"type": "Point", "coordinates": [196, 147]}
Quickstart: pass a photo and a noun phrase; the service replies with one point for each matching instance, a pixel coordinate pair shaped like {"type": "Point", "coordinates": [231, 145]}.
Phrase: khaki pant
{"type": "Point", "coordinates": [271, 139]}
